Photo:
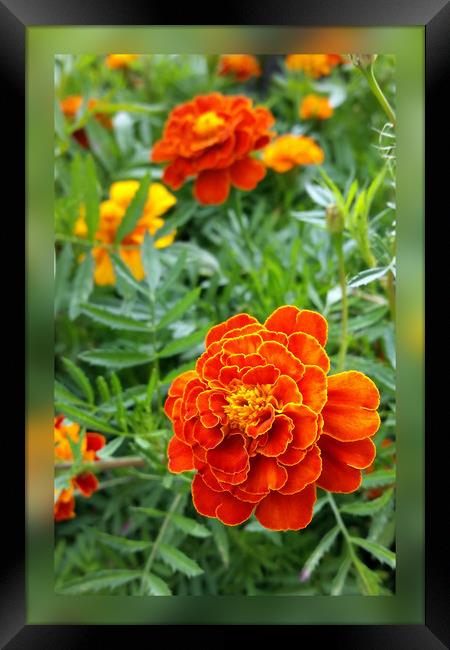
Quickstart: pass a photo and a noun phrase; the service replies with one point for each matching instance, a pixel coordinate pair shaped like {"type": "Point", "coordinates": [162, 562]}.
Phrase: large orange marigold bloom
{"type": "Point", "coordinates": [240, 66]}
{"type": "Point", "coordinates": [86, 483]}
{"type": "Point", "coordinates": [70, 107]}
{"type": "Point", "coordinates": [112, 212]}
{"type": "Point", "coordinates": [313, 65]}
{"type": "Point", "coordinates": [115, 61]}
{"type": "Point", "coordinates": [211, 138]}
{"type": "Point", "coordinates": [263, 425]}
{"type": "Point", "coordinates": [290, 150]}
{"type": "Point", "coordinates": [315, 107]}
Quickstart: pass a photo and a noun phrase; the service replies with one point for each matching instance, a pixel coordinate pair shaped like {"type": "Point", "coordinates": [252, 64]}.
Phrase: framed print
{"type": "Point", "coordinates": [225, 293]}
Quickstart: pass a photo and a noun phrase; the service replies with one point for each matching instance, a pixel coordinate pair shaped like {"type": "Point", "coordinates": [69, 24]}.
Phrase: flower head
{"type": "Point", "coordinates": [70, 107]}
{"type": "Point", "coordinates": [112, 212]}
{"type": "Point", "coordinates": [211, 138]}
{"type": "Point", "coordinates": [262, 423]}
{"type": "Point", "coordinates": [290, 150]}
{"type": "Point", "coordinates": [313, 65]}
{"type": "Point", "coordinates": [86, 483]}
{"type": "Point", "coordinates": [115, 61]}
{"type": "Point", "coordinates": [315, 107]}
{"type": "Point", "coordinates": [240, 66]}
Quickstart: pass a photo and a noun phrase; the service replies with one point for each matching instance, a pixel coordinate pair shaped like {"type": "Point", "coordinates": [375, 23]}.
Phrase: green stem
{"type": "Point", "coordinates": [158, 540]}
{"type": "Point", "coordinates": [351, 550]}
{"type": "Point", "coordinates": [344, 318]}
{"type": "Point", "coordinates": [390, 290]}
{"type": "Point", "coordinates": [375, 88]}
{"type": "Point", "coordinates": [113, 463]}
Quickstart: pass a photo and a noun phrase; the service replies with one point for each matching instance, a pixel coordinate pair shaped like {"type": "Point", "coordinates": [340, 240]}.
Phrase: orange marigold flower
{"type": "Point", "coordinates": [112, 212]}
{"type": "Point", "coordinates": [315, 107]}
{"type": "Point", "coordinates": [70, 107]}
{"type": "Point", "coordinates": [290, 150]}
{"type": "Point", "coordinates": [241, 66]}
{"type": "Point", "coordinates": [115, 61]}
{"type": "Point", "coordinates": [211, 138]}
{"type": "Point", "coordinates": [263, 425]}
{"type": "Point", "coordinates": [86, 483]}
{"type": "Point", "coordinates": [313, 65]}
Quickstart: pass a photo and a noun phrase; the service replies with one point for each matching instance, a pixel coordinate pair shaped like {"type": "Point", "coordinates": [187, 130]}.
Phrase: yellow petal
{"type": "Point", "coordinates": [159, 201]}
{"type": "Point", "coordinates": [104, 270]}
{"type": "Point", "coordinates": [122, 192]}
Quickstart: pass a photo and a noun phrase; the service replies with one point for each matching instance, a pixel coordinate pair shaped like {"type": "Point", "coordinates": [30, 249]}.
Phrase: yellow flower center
{"type": "Point", "coordinates": [207, 124]}
{"type": "Point", "coordinates": [245, 403]}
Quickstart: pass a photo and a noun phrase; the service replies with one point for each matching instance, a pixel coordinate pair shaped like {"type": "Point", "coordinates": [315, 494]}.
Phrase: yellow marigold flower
{"type": "Point", "coordinates": [315, 107]}
{"type": "Point", "coordinates": [290, 150]}
{"type": "Point", "coordinates": [313, 65]}
{"type": "Point", "coordinates": [115, 61]}
{"type": "Point", "coordinates": [240, 66]}
{"type": "Point", "coordinates": [112, 211]}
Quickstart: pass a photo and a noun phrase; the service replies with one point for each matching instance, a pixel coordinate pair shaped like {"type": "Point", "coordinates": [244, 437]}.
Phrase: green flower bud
{"type": "Point", "coordinates": [362, 60]}
{"type": "Point", "coordinates": [334, 219]}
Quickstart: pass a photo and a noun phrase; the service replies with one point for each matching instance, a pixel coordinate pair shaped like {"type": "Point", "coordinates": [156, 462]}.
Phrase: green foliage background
{"type": "Point", "coordinates": [118, 348]}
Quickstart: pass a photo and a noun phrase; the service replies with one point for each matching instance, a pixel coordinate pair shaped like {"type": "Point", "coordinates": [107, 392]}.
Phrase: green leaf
{"type": "Point", "coordinates": [379, 552]}
{"type": "Point", "coordinates": [134, 210]}
{"type": "Point", "coordinates": [190, 526]}
{"type": "Point", "coordinates": [368, 276]}
{"type": "Point", "coordinates": [113, 320]}
{"type": "Point", "coordinates": [80, 379]}
{"type": "Point", "coordinates": [178, 561]}
{"type": "Point", "coordinates": [122, 544]}
{"type": "Point", "coordinates": [156, 586]}
{"type": "Point", "coordinates": [85, 419]}
{"type": "Point", "coordinates": [321, 549]}
{"type": "Point", "coordinates": [108, 579]}
{"type": "Point", "coordinates": [174, 272]}
{"type": "Point", "coordinates": [82, 285]}
{"type": "Point", "coordinates": [179, 308]}
{"type": "Point", "coordinates": [175, 222]}
{"type": "Point", "coordinates": [91, 199]}
{"type": "Point", "coordinates": [115, 358]}
{"type": "Point", "coordinates": [221, 540]}
{"type": "Point", "coordinates": [368, 579]}
{"type": "Point", "coordinates": [379, 478]}
{"type": "Point", "coordinates": [366, 508]}
{"type": "Point", "coordinates": [180, 345]}
{"type": "Point", "coordinates": [63, 268]}
{"type": "Point", "coordinates": [338, 582]}
{"type": "Point", "coordinates": [108, 450]}
{"type": "Point", "coordinates": [151, 263]}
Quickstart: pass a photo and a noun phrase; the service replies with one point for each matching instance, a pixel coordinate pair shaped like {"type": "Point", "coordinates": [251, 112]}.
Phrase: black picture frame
{"type": "Point", "coordinates": [15, 17]}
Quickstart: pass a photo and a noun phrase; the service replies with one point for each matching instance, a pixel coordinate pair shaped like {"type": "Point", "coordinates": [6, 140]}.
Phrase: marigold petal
{"type": "Point", "coordinates": [207, 437]}
{"type": "Point", "coordinates": [204, 498]}
{"type": "Point", "coordinates": [287, 512]}
{"type": "Point", "coordinates": [278, 436]}
{"type": "Point", "coordinates": [281, 358]}
{"type": "Point", "coordinates": [265, 474]}
{"type": "Point", "coordinates": [306, 348]}
{"type": "Point", "coordinates": [232, 511]}
{"type": "Point", "coordinates": [313, 387]}
{"type": "Point", "coordinates": [348, 423]}
{"type": "Point", "coordinates": [179, 383]}
{"type": "Point", "coordinates": [358, 454]}
{"type": "Point", "coordinates": [212, 186]}
{"type": "Point", "coordinates": [236, 478]}
{"type": "Point", "coordinates": [337, 476]}
{"type": "Point", "coordinates": [353, 388]}
{"type": "Point", "coordinates": [285, 390]}
{"type": "Point", "coordinates": [180, 456]}
{"type": "Point", "coordinates": [265, 419]}
{"type": "Point", "coordinates": [94, 441]}
{"type": "Point", "coordinates": [305, 472]}
{"type": "Point", "coordinates": [246, 173]}
{"type": "Point", "coordinates": [305, 422]}
{"type": "Point", "coordinates": [283, 319]}
{"type": "Point", "coordinates": [292, 456]}
{"type": "Point", "coordinates": [235, 322]}
{"type": "Point", "coordinates": [87, 483]}
{"type": "Point", "coordinates": [261, 375]}
{"type": "Point", "coordinates": [230, 455]}
{"type": "Point", "coordinates": [313, 323]}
